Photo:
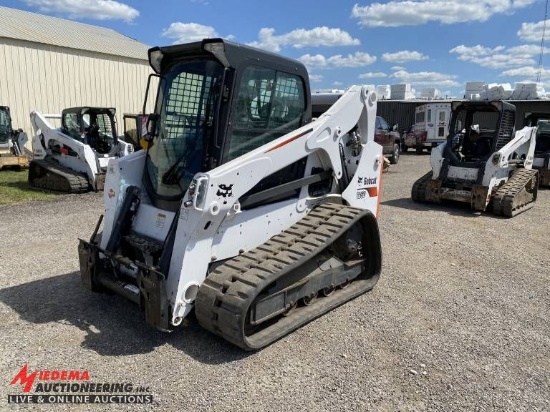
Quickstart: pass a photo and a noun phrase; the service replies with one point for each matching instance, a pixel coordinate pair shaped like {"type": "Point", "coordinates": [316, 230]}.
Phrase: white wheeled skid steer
{"type": "Point", "coordinates": [74, 157]}
{"type": "Point", "coordinates": [241, 208]}
{"type": "Point", "coordinates": [484, 162]}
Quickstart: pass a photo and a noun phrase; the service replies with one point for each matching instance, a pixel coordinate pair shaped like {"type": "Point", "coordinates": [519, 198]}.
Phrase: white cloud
{"type": "Point", "coordinates": [403, 56]}
{"type": "Point", "coordinates": [372, 75]}
{"type": "Point", "coordinates": [299, 38]}
{"type": "Point", "coordinates": [524, 51]}
{"type": "Point", "coordinates": [337, 83]}
{"type": "Point", "coordinates": [358, 59]}
{"type": "Point", "coordinates": [316, 60]}
{"type": "Point", "coordinates": [397, 68]}
{"type": "Point", "coordinates": [87, 9]}
{"type": "Point", "coordinates": [315, 78]}
{"type": "Point", "coordinates": [500, 57]}
{"type": "Point", "coordinates": [527, 72]}
{"type": "Point", "coordinates": [413, 13]}
{"type": "Point", "coordinates": [522, 3]}
{"type": "Point", "coordinates": [466, 53]}
{"type": "Point", "coordinates": [426, 79]}
{"type": "Point", "coordinates": [532, 32]}
{"type": "Point", "coordinates": [189, 32]}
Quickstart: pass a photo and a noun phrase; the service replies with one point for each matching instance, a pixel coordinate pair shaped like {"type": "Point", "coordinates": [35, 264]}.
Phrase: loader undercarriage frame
{"type": "Point", "coordinates": [328, 258]}
{"type": "Point", "coordinates": [516, 195]}
{"type": "Point", "coordinates": [252, 300]}
{"type": "Point", "coordinates": [464, 192]}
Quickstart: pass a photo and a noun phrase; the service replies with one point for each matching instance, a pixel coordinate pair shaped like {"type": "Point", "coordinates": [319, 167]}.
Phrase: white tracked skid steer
{"type": "Point", "coordinates": [484, 162]}
{"type": "Point", "coordinates": [241, 208]}
{"type": "Point", "coordinates": [74, 157]}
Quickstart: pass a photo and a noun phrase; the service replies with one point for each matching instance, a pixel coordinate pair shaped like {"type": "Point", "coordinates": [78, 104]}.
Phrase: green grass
{"type": "Point", "coordinates": [14, 188]}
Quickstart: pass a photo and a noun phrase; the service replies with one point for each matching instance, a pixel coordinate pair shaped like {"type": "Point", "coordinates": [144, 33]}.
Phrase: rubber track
{"type": "Point", "coordinates": [418, 192]}
{"type": "Point", "coordinates": [505, 196]}
{"type": "Point", "coordinates": [224, 298]}
{"type": "Point", "coordinates": [56, 177]}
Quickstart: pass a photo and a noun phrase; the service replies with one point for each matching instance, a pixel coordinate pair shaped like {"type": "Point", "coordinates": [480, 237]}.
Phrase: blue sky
{"type": "Point", "coordinates": [428, 43]}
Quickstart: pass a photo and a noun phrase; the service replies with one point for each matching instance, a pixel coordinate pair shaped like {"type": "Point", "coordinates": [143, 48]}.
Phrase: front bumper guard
{"type": "Point", "coordinates": [149, 290]}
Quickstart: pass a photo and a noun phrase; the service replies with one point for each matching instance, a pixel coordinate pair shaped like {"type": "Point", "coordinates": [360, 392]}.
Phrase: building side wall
{"type": "Point", "coordinates": [49, 78]}
{"type": "Point", "coordinates": [397, 113]}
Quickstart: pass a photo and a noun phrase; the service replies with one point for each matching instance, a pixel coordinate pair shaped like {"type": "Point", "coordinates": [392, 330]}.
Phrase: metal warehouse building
{"type": "Point", "coordinates": [49, 64]}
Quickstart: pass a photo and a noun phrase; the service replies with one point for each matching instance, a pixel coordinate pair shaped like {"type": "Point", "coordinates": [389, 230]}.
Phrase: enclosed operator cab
{"type": "Point", "coordinates": [93, 126]}
{"type": "Point", "coordinates": [216, 101]}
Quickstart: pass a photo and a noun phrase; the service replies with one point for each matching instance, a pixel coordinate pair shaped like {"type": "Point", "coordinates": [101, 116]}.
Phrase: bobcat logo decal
{"type": "Point", "coordinates": [225, 190]}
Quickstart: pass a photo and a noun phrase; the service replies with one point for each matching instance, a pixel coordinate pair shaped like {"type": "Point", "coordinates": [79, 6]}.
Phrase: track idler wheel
{"type": "Point", "coordinates": [308, 300]}
{"type": "Point", "coordinates": [344, 285]}
{"type": "Point", "coordinates": [327, 291]}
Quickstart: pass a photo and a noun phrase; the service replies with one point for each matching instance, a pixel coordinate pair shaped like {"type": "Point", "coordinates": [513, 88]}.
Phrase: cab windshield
{"type": "Point", "coordinates": [188, 96]}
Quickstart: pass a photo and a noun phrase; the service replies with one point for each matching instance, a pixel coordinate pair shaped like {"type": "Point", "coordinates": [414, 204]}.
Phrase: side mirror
{"type": "Point", "coordinates": [395, 127]}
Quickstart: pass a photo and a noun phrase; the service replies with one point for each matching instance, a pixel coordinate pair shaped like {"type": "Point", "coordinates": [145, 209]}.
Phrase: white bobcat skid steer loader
{"type": "Point", "coordinates": [12, 142]}
{"type": "Point", "coordinates": [241, 207]}
{"type": "Point", "coordinates": [74, 157]}
{"type": "Point", "coordinates": [541, 162]}
{"type": "Point", "coordinates": [483, 163]}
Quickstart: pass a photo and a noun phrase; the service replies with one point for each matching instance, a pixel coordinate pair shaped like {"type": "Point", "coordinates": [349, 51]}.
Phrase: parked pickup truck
{"type": "Point", "coordinates": [387, 137]}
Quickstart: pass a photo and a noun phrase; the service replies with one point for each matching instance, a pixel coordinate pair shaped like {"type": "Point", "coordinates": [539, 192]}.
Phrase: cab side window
{"type": "Point", "coordinates": [70, 125]}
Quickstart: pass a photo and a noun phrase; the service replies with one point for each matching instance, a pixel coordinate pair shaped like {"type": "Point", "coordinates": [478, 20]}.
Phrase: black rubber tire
{"type": "Point", "coordinates": [404, 148]}
{"type": "Point", "coordinates": [419, 149]}
{"type": "Point", "coordinates": [394, 158]}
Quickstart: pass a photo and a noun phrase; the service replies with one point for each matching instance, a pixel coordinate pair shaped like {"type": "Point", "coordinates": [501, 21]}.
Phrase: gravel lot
{"type": "Point", "coordinates": [458, 321]}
